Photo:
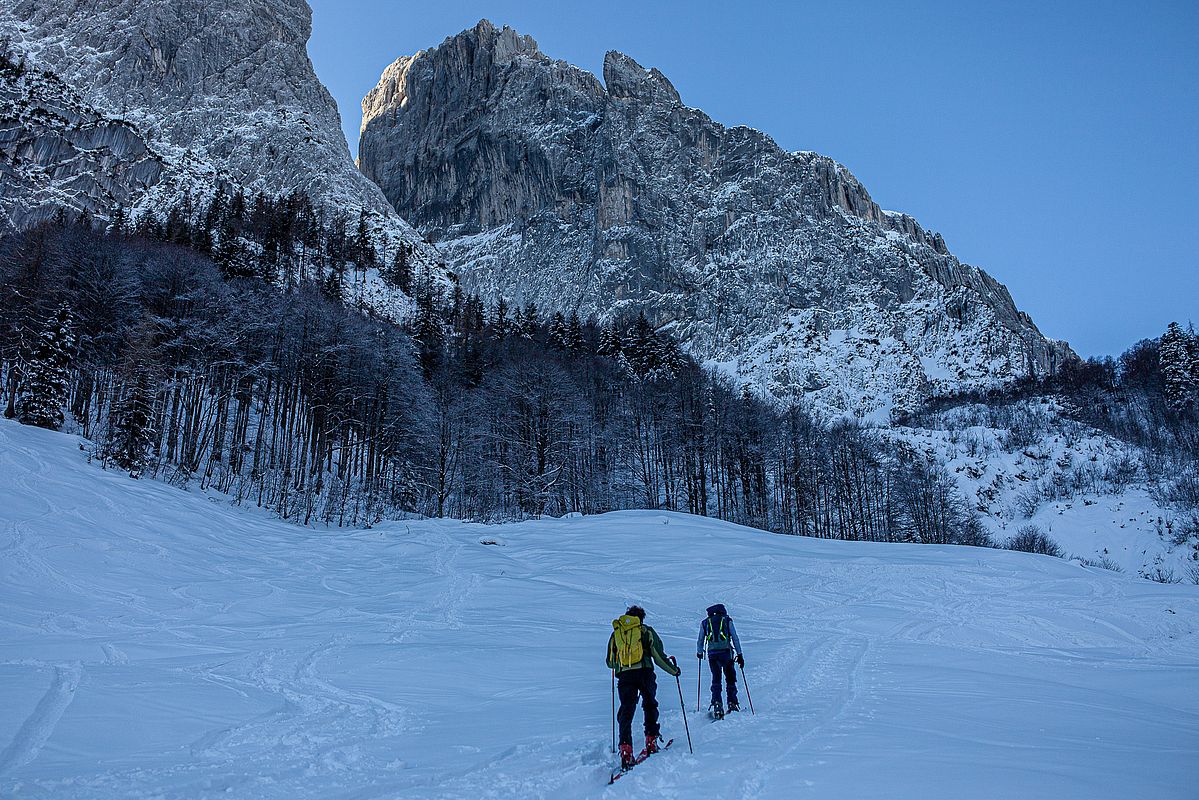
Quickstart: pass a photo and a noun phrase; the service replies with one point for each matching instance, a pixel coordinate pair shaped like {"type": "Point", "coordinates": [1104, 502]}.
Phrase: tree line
{"type": "Point", "coordinates": [175, 365]}
{"type": "Point", "coordinates": [213, 348]}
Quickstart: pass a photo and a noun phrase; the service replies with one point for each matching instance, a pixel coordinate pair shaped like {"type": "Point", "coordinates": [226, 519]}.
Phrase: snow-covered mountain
{"type": "Point", "coordinates": [219, 92]}
{"type": "Point", "coordinates": [156, 644]}
{"type": "Point", "coordinates": [543, 184]}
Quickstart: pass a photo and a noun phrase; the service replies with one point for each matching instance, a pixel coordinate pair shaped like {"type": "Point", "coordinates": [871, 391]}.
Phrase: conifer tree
{"type": "Point", "coordinates": [48, 372]}
{"type": "Point", "coordinates": [178, 223]}
{"type": "Point", "coordinates": [609, 340]}
{"type": "Point", "coordinates": [131, 420]}
{"type": "Point", "coordinates": [231, 256]}
{"type": "Point", "coordinates": [648, 355]}
{"type": "Point", "coordinates": [574, 334]}
{"type": "Point", "coordinates": [364, 251]}
{"type": "Point", "coordinates": [118, 221]}
{"type": "Point", "coordinates": [131, 432]}
{"type": "Point", "coordinates": [1193, 350]}
{"type": "Point", "coordinates": [334, 284]}
{"type": "Point", "coordinates": [529, 321]}
{"type": "Point", "coordinates": [400, 273]}
{"type": "Point", "coordinates": [1178, 371]}
{"type": "Point", "coordinates": [502, 325]}
{"type": "Point", "coordinates": [557, 330]}
{"type": "Point", "coordinates": [215, 215]}
{"type": "Point", "coordinates": [429, 335]}
{"type": "Point", "coordinates": [457, 300]}
{"type": "Point", "coordinates": [637, 348]}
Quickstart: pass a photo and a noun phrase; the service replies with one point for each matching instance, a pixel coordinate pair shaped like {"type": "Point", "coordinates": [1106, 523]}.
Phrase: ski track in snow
{"type": "Point", "coordinates": [38, 727]}
{"type": "Point", "coordinates": [193, 650]}
{"type": "Point", "coordinates": [828, 684]}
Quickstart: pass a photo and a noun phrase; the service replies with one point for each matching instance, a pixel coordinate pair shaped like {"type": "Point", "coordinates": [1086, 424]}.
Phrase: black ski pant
{"type": "Point", "coordinates": [630, 684]}
{"type": "Point", "coordinates": [721, 662]}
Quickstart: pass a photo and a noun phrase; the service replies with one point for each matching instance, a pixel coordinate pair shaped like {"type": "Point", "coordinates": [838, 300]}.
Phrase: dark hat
{"type": "Point", "coordinates": [717, 610]}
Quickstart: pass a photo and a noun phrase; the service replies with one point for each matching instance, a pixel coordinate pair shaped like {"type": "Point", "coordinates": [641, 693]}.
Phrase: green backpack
{"type": "Point", "coordinates": [627, 636]}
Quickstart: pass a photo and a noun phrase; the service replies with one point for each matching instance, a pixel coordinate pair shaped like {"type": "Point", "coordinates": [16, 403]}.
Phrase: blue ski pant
{"type": "Point", "coordinates": [721, 664]}
{"type": "Point", "coordinates": [629, 685]}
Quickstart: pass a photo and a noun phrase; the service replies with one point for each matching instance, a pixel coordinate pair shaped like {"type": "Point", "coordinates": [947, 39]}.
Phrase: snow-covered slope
{"type": "Point", "coordinates": [155, 643]}
{"type": "Point", "coordinates": [543, 184]}
{"type": "Point", "coordinates": [1027, 463]}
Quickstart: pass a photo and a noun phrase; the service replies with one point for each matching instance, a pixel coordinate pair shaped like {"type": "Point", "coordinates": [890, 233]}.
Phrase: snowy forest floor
{"type": "Point", "coordinates": [159, 643]}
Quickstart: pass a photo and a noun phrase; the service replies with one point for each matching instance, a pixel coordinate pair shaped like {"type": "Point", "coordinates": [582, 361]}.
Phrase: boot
{"type": "Point", "coordinates": [651, 745]}
{"type": "Point", "coordinates": [733, 706]}
{"type": "Point", "coordinates": [626, 755]}
{"type": "Point", "coordinates": [717, 710]}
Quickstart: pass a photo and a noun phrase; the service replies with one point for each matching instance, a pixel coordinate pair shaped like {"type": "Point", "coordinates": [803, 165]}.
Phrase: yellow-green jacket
{"type": "Point", "coordinates": [651, 645]}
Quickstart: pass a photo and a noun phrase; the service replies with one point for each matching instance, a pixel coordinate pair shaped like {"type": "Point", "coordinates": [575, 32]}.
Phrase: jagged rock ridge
{"type": "Point", "coordinates": [543, 184]}
{"type": "Point", "coordinates": [223, 91]}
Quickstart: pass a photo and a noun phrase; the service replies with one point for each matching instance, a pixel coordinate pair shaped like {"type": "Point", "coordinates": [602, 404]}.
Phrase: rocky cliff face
{"type": "Point", "coordinates": [223, 90]}
{"type": "Point", "coordinates": [58, 152]}
{"type": "Point", "coordinates": [544, 184]}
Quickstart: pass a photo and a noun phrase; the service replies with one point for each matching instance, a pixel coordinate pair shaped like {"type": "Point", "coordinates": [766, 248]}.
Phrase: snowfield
{"type": "Point", "coordinates": [159, 643]}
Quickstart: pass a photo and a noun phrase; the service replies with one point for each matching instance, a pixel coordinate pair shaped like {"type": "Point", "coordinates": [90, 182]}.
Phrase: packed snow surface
{"type": "Point", "coordinates": [159, 643]}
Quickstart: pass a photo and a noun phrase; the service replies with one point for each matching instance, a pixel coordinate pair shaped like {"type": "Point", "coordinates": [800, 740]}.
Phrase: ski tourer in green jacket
{"type": "Point", "coordinates": [632, 650]}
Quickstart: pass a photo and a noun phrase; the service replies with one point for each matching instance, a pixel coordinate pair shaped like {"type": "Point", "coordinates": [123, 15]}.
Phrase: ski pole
{"type": "Point", "coordinates": [613, 711]}
{"type": "Point", "coordinates": [683, 707]}
{"type": "Point", "coordinates": [698, 679]}
{"type": "Point", "coordinates": [748, 696]}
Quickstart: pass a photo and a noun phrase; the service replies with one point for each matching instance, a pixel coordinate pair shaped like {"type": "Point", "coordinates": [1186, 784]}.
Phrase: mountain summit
{"type": "Point", "coordinates": [186, 95]}
{"type": "Point", "coordinates": [543, 184]}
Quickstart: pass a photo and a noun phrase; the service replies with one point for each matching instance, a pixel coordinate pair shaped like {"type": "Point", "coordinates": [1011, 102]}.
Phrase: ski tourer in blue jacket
{"type": "Point", "coordinates": [718, 638]}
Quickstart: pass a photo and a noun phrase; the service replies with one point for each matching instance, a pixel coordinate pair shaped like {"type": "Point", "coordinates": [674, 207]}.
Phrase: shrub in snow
{"type": "Point", "coordinates": [1180, 530]}
{"type": "Point", "coordinates": [1103, 562]}
{"type": "Point", "coordinates": [1182, 487]}
{"type": "Point", "coordinates": [973, 533]}
{"type": "Point", "coordinates": [1028, 501]}
{"type": "Point", "coordinates": [1121, 472]}
{"type": "Point", "coordinates": [1162, 575]}
{"type": "Point", "coordinates": [1031, 539]}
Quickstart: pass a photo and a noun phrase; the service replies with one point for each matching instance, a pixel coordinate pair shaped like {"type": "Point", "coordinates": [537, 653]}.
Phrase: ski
{"type": "Point", "coordinates": [642, 756]}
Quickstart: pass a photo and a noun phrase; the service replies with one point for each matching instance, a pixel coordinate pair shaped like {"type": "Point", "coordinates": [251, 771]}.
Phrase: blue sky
{"type": "Point", "coordinates": [1056, 145]}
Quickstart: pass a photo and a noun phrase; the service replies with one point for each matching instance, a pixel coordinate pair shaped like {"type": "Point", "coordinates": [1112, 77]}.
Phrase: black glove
{"type": "Point", "coordinates": [677, 671]}
{"type": "Point", "coordinates": [740, 661]}
{"type": "Point", "coordinates": [700, 656]}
